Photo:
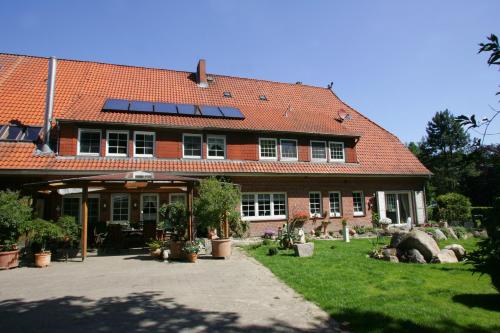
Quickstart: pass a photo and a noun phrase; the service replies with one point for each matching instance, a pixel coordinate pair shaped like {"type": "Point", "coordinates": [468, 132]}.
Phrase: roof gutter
{"type": "Point", "coordinates": [44, 148]}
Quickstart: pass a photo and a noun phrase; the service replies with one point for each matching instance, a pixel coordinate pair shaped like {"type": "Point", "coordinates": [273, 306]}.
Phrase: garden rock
{"type": "Point", "coordinates": [389, 252]}
{"type": "Point", "coordinates": [439, 235]}
{"type": "Point", "coordinates": [421, 241]}
{"type": "Point", "coordinates": [445, 256]}
{"type": "Point", "coordinates": [458, 249]}
{"type": "Point", "coordinates": [414, 256]}
{"type": "Point", "coordinates": [391, 259]}
{"type": "Point", "coordinates": [304, 250]}
{"type": "Point", "coordinates": [452, 233]}
{"type": "Point", "coordinates": [397, 237]}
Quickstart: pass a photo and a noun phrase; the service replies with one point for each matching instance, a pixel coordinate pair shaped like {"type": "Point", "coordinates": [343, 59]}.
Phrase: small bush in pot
{"type": "Point", "coordinates": [70, 235]}
{"type": "Point", "coordinates": [191, 249]}
{"type": "Point", "coordinates": [40, 232]}
{"type": "Point", "coordinates": [175, 216]}
{"type": "Point", "coordinates": [155, 248]}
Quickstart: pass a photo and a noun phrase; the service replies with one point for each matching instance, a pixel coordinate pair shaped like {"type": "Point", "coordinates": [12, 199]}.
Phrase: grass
{"type": "Point", "coordinates": [379, 296]}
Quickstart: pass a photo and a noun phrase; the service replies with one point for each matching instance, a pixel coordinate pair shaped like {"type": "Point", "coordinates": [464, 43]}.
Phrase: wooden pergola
{"type": "Point", "coordinates": [135, 180]}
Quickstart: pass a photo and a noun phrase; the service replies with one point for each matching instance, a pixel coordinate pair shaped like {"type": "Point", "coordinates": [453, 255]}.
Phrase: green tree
{"type": "Point", "coordinates": [445, 152]}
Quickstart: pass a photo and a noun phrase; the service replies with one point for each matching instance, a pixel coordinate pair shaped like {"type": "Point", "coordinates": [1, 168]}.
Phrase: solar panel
{"type": "Point", "coordinates": [186, 109]}
{"type": "Point", "coordinates": [31, 133]}
{"type": "Point", "coordinates": [116, 105]}
{"type": "Point", "coordinates": [232, 112]}
{"type": "Point", "coordinates": [166, 108]}
{"type": "Point", "coordinates": [139, 106]}
{"type": "Point", "coordinates": [211, 111]}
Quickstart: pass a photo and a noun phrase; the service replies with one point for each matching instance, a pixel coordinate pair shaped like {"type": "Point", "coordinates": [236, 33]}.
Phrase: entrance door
{"type": "Point", "coordinates": [398, 207]}
{"type": "Point", "coordinates": [149, 207]}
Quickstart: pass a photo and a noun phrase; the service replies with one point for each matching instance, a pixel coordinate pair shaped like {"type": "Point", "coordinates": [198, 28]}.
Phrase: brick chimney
{"type": "Point", "coordinates": [201, 74]}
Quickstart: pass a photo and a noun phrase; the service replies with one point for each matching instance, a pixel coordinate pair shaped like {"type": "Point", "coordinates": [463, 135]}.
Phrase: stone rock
{"type": "Point", "coordinates": [439, 235]}
{"type": "Point", "coordinates": [391, 259]}
{"type": "Point", "coordinates": [414, 256]}
{"type": "Point", "coordinates": [397, 237]}
{"type": "Point", "coordinates": [452, 233]}
{"type": "Point", "coordinates": [421, 241]}
{"type": "Point", "coordinates": [458, 249]}
{"type": "Point", "coordinates": [445, 256]}
{"type": "Point", "coordinates": [304, 250]}
{"type": "Point", "coordinates": [389, 252]}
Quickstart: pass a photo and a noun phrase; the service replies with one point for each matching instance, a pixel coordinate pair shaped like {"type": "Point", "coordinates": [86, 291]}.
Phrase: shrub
{"type": "Point", "coordinates": [40, 232]}
{"type": "Point", "coordinates": [70, 230]}
{"type": "Point", "coordinates": [461, 232]}
{"type": "Point", "coordinates": [237, 227]}
{"type": "Point", "coordinates": [174, 219]}
{"type": "Point", "coordinates": [15, 211]}
{"type": "Point", "coordinates": [267, 242]}
{"type": "Point", "coordinates": [454, 208]}
{"type": "Point", "coordinates": [375, 220]}
{"type": "Point", "coordinates": [481, 215]}
{"type": "Point", "coordinates": [272, 251]}
{"type": "Point", "coordinates": [360, 230]}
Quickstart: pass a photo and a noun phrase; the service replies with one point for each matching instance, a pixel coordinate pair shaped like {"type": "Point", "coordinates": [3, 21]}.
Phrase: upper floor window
{"type": "Point", "coordinates": [358, 202]}
{"type": "Point", "coordinates": [192, 145]}
{"type": "Point", "coordinates": [337, 152]}
{"type": "Point", "coordinates": [89, 142]}
{"type": "Point", "coordinates": [216, 146]}
{"type": "Point", "coordinates": [289, 150]}
{"type": "Point", "coordinates": [268, 149]}
{"type": "Point", "coordinates": [144, 144]}
{"type": "Point", "coordinates": [117, 143]}
{"type": "Point", "coordinates": [335, 204]}
{"type": "Point", "coordinates": [315, 204]}
{"type": "Point", "coordinates": [318, 151]}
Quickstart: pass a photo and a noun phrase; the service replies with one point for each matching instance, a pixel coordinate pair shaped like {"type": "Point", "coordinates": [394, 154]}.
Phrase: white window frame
{"type": "Point", "coordinates": [332, 214]}
{"type": "Point", "coordinates": [271, 217]}
{"type": "Point", "coordinates": [157, 206]}
{"type": "Point", "coordinates": [107, 142]}
{"type": "Point", "coordinates": [320, 204]}
{"type": "Point", "coordinates": [171, 195]}
{"type": "Point", "coordinates": [223, 137]}
{"type": "Point", "coordinates": [330, 151]}
{"type": "Point", "coordinates": [113, 195]}
{"type": "Point", "coordinates": [79, 197]}
{"type": "Point", "coordinates": [311, 151]}
{"type": "Point", "coordinates": [296, 158]}
{"type": "Point", "coordinates": [201, 150]}
{"type": "Point", "coordinates": [275, 158]}
{"type": "Point", "coordinates": [410, 201]}
{"type": "Point", "coordinates": [80, 130]}
{"type": "Point", "coordinates": [154, 143]}
{"type": "Point", "coordinates": [363, 212]}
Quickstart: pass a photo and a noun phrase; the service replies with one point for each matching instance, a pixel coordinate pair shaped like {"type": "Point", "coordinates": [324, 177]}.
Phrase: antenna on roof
{"type": "Point", "coordinates": [288, 110]}
{"type": "Point", "coordinates": [330, 86]}
{"type": "Point", "coordinates": [343, 115]}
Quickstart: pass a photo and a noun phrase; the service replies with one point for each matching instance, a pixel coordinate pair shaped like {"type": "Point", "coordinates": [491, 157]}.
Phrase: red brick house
{"type": "Point", "coordinates": [292, 147]}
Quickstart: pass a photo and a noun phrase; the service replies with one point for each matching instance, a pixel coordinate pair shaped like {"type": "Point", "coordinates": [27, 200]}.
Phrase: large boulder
{"type": "Point", "coordinates": [304, 250]}
{"type": "Point", "coordinates": [439, 235]}
{"type": "Point", "coordinates": [445, 256]}
{"type": "Point", "coordinates": [421, 241]}
{"type": "Point", "coordinates": [397, 237]}
{"type": "Point", "coordinates": [414, 256]}
{"type": "Point", "coordinates": [391, 259]}
{"type": "Point", "coordinates": [452, 233]}
{"type": "Point", "coordinates": [388, 252]}
{"type": "Point", "coordinates": [458, 249]}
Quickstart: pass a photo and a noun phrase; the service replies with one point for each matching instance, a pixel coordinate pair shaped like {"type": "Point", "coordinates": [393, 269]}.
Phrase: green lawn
{"type": "Point", "coordinates": [378, 296]}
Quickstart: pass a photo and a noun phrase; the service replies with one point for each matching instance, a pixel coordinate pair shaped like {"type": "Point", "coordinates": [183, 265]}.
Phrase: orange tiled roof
{"type": "Point", "coordinates": [82, 87]}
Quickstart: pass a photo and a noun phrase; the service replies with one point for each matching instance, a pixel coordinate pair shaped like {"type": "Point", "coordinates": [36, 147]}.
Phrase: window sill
{"type": "Point", "coordinates": [263, 218]}
{"type": "Point", "coordinates": [88, 154]}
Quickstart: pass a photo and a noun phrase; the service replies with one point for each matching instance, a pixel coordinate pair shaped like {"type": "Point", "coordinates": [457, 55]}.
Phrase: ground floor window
{"type": "Point", "coordinates": [335, 204]}
{"type": "Point", "coordinates": [315, 203]}
{"type": "Point", "coordinates": [398, 207]}
{"type": "Point", "coordinates": [71, 206]}
{"type": "Point", "coordinates": [177, 197]}
{"type": "Point", "coordinates": [358, 203]}
{"type": "Point", "coordinates": [255, 206]}
{"type": "Point", "coordinates": [120, 207]}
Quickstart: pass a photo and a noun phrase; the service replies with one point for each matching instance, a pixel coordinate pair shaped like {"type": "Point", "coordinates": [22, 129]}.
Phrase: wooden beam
{"type": "Point", "coordinates": [85, 220]}
{"type": "Point", "coordinates": [190, 211]}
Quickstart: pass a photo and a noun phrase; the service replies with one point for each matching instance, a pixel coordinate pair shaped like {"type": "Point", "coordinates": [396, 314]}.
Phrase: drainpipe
{"type": "Point", "coordinates": [49, 107]}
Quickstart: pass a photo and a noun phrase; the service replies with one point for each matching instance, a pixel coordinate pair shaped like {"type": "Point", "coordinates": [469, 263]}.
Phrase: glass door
{"type": "Point", "coordinates": [398, 207]}
{"type": "Point", "coordinates": [149, 207]}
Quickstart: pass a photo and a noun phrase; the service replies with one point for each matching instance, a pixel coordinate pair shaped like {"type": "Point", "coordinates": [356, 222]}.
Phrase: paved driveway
{"type": "Point", "coordinates": [131, 293]}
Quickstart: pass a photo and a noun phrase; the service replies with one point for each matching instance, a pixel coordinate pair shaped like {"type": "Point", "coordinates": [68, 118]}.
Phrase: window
{"type": "Point", "coordinates": [177, 197]}
{"type": "Point", "coordinates": [315, 203]}
{"type": "Point", "coordinates": [144, 144]}
{"type": "Point", "coordinates": [398, 207]}
{"type": "Point", "coordinates": [191, 145]}
{"type": "Point", "coordinates": [335, 204]}
{"type": "Point", "coordinates": [358, 203]}
{"type": "Point", "coordinates": [71, 207]}
{"type": "Point", "coordinates": [89, 142]}
{"type": "Point", "coordinates": [216, 147]}
{"type": "Point", "coordinates": [117, 143]}
{"type": "Point", "coordinates": [318, 151]}
{"type": "Point", "coordinates": [263, 206]}
{"type": "Point", "coordinates": [268, 149]}
{"type": "Point", "coordinates": [120, 207]}
{"type": "Point", "coordinates": [337, 151]}
{"type": "Point", "coordinates": [288, 150]}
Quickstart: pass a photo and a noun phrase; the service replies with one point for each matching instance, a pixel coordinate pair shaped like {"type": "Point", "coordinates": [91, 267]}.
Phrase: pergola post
{"type": "Point", "coordinates": [190, 210]}
{"type": "Point", "coordinates": [85, 220]}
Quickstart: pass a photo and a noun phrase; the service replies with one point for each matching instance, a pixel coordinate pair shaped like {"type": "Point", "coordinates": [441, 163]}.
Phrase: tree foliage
{"type": "Point", "coordinates": [14, 212]}
{"type": "Point", "coordinates": [454, 208]}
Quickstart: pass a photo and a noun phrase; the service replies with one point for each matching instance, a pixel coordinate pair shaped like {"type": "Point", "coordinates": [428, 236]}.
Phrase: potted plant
{"type": "Point", "coordinates": [15, 211]}
{"type": "Point", "coordinates": [385, 222]}
{"type": "Point", "coordinates": [345, 231]}
{"type": "Point", "coordinates": [191, 249]}
{"type": "Point", "coordinates": [155, 248]}
{"type": "Point", "coordinates": [214, 207]}
{"type": "Point", "coordinates": [40, 232]}
{"type": "Point", "coordinates": [70, 235]}
{"type": "Point", "coordinates": [175, 221]}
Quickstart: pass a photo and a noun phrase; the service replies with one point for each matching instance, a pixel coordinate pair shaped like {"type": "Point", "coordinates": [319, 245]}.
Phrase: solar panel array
{"type": "Point", "coordinates": [122, 105]}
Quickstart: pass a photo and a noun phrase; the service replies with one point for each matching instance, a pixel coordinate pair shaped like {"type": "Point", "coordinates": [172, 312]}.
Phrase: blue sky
{"type": "Point", "coordinates": [398, 62]}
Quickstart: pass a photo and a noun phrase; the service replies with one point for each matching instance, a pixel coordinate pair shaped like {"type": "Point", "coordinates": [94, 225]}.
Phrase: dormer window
{"type": "Point", "coordinates": [268, 149]}
{"type": "Point", "coordinates": [288, 150]}
{"type": "Point", "coordinates": [337, 152]}
{"type": "Point", "coordinates": [117, 143]}
{"type": "Point", "coordinates": [318, 151]}
{"type": "Point", "coordinates": [144, 144]}
{"type": "Point", "coordinates": [191, 146]}
{"type": "Point", "coordinates": [89, 142]}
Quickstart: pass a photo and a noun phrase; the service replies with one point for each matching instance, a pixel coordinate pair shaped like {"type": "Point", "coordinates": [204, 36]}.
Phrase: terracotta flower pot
{"type": "Point", "coordinates": [191, 257]}
{"type": "Point", "coordinates": [156, 253]}
{"type": "Point", "coordinates": [42, 259]}
{"type": "Point", "coordinates": [176, 250]}
{"type": "Point", "coordinates": [221, 248]}
{"type": "Point", "coordinates": [9, 259]}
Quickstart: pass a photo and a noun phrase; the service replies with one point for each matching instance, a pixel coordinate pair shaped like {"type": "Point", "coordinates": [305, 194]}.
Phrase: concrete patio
{"type": "Point", "coordinates": [132, 293]}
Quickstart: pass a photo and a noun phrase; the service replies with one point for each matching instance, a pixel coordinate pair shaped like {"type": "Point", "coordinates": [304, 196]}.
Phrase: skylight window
{"type": "Point", "coordinates": [19, 133]}
{"type": "Point", "coordinates": [263, 97]}
{"type": "Point", "coordinates": [227, 94]}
